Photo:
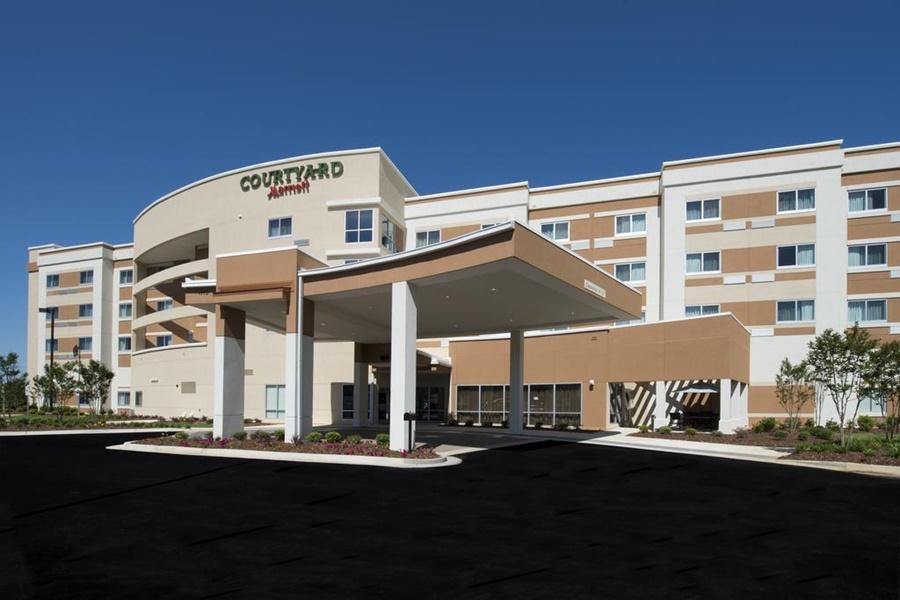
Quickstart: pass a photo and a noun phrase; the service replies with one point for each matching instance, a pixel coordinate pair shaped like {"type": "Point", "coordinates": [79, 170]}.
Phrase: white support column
{"type": "Point", "coordinates": [298, 370]}
{"type": "Point", "coordinates": [660, 408]}
{"type": "Point", "coordinates": [360, 388]}
{"type": "Point", "coordinates": [403, 364]}
{"type": "Point", "coordinates": [732, 405]}
{"type": "Point", "coordinates": [516, 380]}
{"type": "Point", "coordinates": [228, 372]}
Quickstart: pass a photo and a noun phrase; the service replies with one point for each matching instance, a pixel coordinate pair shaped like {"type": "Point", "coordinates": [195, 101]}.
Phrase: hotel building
{"type": "Point", "coordinates": [307, 289]}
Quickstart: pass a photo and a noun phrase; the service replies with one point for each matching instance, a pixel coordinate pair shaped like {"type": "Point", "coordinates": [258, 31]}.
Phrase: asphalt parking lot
{"type": "Point", "coordinates": [543, 520]}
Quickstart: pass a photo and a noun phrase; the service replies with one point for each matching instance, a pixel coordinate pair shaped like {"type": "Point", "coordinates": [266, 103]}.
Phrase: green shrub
{"type": "Point", "coordinates": [865, 423]}
{"type": "Point", "coordinates": [690, 431]}
{"type": "Point", "coordinates": [314, 437]}
{"type": "Point", "coordinates": [240, 435]}
{"type": "Point", "coordinates": [333, 437]}
{"type": "Point", "coordinates": [717, 433]}
{"type": "Point", "coordinates": [809, 424]}
{"type": "Point", "coordinates": [181, 435]}
{"type": "Point", "coordinates": [207, 435]}
{"type": "Point", "coordinates": [261, 435]}
{"type": "Point", "coordinates": [278, 434]}
{"type": "Point", "coordinates": [741, 432]}
{"type": "Point", "coordinates": [765, 425]}
{"type": "Point", "coordinates": [801, 448]}
{"type": "Point", "coordinates": [383, 439]}
{"type": "Point", "coordinates": [823, 433]}
{"type": "Point", "coordinates": [354, 439]}
{"type": "Point", "coordinates": [781, 434]}
{"type": "Point", "coordinates": [470, 422]}
{"type": "Point", "coordinates": [803, 436]}
{"type": "Point", "coordinates": [644, 428]}
{"type": "Point", "coordinates": [869, 452]}
{"type": "Point", "coordinates": [665, 430]}
{"type": "Point", "coordinates": [894, 451]}
{"type": "Point", "coordinates": [832, 425]}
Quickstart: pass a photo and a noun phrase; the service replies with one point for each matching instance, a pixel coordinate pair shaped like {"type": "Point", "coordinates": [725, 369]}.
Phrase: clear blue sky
{"type": "Point", "coordinates": [105, 106]}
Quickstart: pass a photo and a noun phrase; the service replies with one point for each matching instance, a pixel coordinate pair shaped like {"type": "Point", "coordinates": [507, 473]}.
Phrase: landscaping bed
{"type": "Point", "coordinates": [53, 422]}
{"type": "Point", "coordinates": [315, 443]}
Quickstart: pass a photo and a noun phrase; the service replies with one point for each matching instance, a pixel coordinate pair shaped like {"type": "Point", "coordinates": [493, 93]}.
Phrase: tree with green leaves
{"type": "Point", "coordinates": [793, 387]}
{"type": "Point", "coordinates": [838, 362]}
{"type": "Point", "coordinates": [12, 383]}
{"type": "Point", "coordinates": [93, 383]}
{"type": "Point", "coordinates": [881, 383]}
{"type": "Point", "coordinates": [54, 385]}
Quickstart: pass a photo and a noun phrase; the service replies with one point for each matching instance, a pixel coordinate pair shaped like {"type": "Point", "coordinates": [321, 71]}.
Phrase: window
{"type": "Point", "coordinates": [863, 200]}
{"type": "Point", "coordinates": [802, 255]}
{"type": "Point", "coordinates": [351, 261]}
{"type": "Point", "coordinates": [358, 226]}
{"type": "Point", "coordinates": [347, 401]}
{"type": "Point", "coordinates": [85, 344]}
{"type": "Point", "coordinates": [280, 227]}
{"type": "Point", "coordinates": [703, 210]}
{"type": "Point", "coordinates": [163, 340]}
{"type": "Point", "coordinates": [796, 200]}
{"type": "Point", "coordinates": [124, 343]}
{"type": "Point", "coordinates": [487, 225]}
{"type": "Point", "coordinates": [51, 345]}
{"type": "Point", "coordinates": [558, 231]}
{"type": "Point", "coordinates": [703, 262]}
{"type": "Point", "coordinates": [548, 404]}
{"type": "Point", "coordinates": [274, 401]}
{"type": "Point", "coordinates": [388, 234]}
{"type": "Point", "coordinates": [697, 310]}
{"type": "Point", "coordinates": [788, 311]}
{"type": "Point", "coordinates": [138, 399]}
{"type": "Point", "coordinates": [626, 224]}
{"type": "Point", "coordinates": [85, 310]}
{"type": "Point", "coordinates": [164, 304]}
{"type": "Point", "coordinates": [123, 399]}
{"type": "Point", "coordinates": [867, 311]}
{"type": "Point", "coordinates": [52, 313]}
{"type": "Point", "coordinates": [85, 277]}
{"type": "Point", "coordinates": [633, 272]}
{"type": "Point", "coordinates": [126, 276]}
{"type": "Point", "coordinates": [427, 238]}
{"type": "Point", "coordinates": [867, 255]}
{"type": "Point", "coordinates": [125, 310]}
{"type": "Point", "coordinates": [52, 281]}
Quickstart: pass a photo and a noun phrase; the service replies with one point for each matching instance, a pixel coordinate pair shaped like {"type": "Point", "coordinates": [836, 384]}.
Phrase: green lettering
{"type": "Point", "coordinates": [337, 169]}
{"type": "Point", "coordinates": [245, 183]}
{"type": "Point", "coordinates": [255, 181]}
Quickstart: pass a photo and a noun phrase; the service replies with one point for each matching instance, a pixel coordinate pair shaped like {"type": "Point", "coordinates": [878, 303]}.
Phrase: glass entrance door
{"type": "Point", "coordinates": [430, 403]}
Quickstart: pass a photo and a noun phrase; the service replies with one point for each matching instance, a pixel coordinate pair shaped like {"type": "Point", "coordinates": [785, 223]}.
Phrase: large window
{"type": "Point", "coordinates": [53, 281]}
{"type": "Point", "coordinates": [282, 227]}
{"type": "Point", "coordinates": [702, 210]}
{"type": "Point", "coordinates": [868, 255]}
{"type": "Point", "coordinates": [347, 401]}
{"type": "Point", "coordinates": [124, 343]}
{"type": "Point", "coordinates": [164, 304]}
{"type": "Point", "coordinates": [126, 276]}
{"type": "Point", "coordinates": [388, 234]}
{"type": "Point", "coordinates": [863, 200]}
{"type": "Point", "coordinates": [51, 345]}
{"type": "Point", "coordinates": [545, 404]}
{"type": "Point", "coordinates": [697, 310]}
{"type": "Point", "coordinates": [85, 344]}
{"type": "Point", "coordinates": [358, 226]}
{"type": "Point", "coordinates": [790, 311]}
{"type": "Point", "coordinates": [123, 399]}
{"type": "Point", "coordinates": [703, 262]}
{"type": "Point", "coordinates": [85, 277]}
{"type": "Point", "coordinates": [626, 224]}
{"type": "Point", "coordinates": [867, 311]}
{"type": "Point", "coordinates": [635, 272]}
{"type": "Point", "coordinates": [427, 238]}
{"type": "Point", "coordinates": [558, 231]}
{"type": "Point", "coordinates": [796, 200]}
{"type": "Point", "coordinates": [163, 340]}
{"type": "Point", "coordinates": [124, 310]}
{"type": "Point", "coordinates": [85, 310]}
{"type": "Point", "coordinates": [801, 255]}
{"type": "Point", "coordinates": [275, 401]}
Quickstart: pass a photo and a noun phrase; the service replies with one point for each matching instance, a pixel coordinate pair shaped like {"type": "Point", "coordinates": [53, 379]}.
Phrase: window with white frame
{"type": "Point", "coordinates": [123, 399]}
{"type": "Point", "coordinates": [85, 344]}
{"type": "Point", "coordinates": [275, 402]}
{"type": "Point", "coordinates": [558, 231]}
{"type": "Point", "coordinates": [868, 200]}
{"type": "Point", "coordinates": [868, 255]}
{"type": "Point", "coordinates": [164, 304]}
{"type": "Point", "coordinates": [703, 262]}
{"type": "Point", "coordinates": [53, 281]}
{"type": "Point", "coordinates": [126, 276]}
{"type": "Point", "coordinates": [388, 234]}
{"type": "Point", "coordinates": [635, 272]}
{"type": "Point", "coordinates": [85, 277]}
{"type": "Point", "coordinates": [138, 399]}
{"type": "Point", "coordinates": [124, 310]}
{"type": "Point", "coordinates": [281, 227]}
{"type": "Point", "coordinates": [358, 226]}
{"type": "Point", "coordinates": [792, 311]}
{"type": "Point", "coordinates": [427, 238]}
{"type": "Point", "coordinates": [703, 210]}
{"type": "Point", "coordinates": [85, 310]}
{"type": "Point", "coordinates": [698, 310]}
{"type": "Point", "coordinates": [124, 343]}
{"type": "Point", "coordinates": [163, 340]}
{"type": "Point", "coordinates": [630, 224]}
{"type": "Point", "coordinates": [796, 200]}
{"type": "Point", "coordinates": [867, 311]}
{"type": "Point", "coordinates": [545, 404]}
{"type": "Point", "coordinates": [801, 255]}
{"type": "Point", "coordinates": [347, 401]}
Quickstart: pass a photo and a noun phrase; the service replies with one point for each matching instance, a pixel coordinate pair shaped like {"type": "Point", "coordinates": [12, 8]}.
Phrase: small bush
{"type": "Point", "coordinates": [487, 423]}
{"type": "Point", "coordinates": [297, 440]}
{"type": "Point", "coordinates": [333, 437]}
{"type": "Point", "coordinates": [470, 422]}
{"type": "Point", "coordinates": [781, 434]}
{"type": "Point", "coordinates": [865, 423]}
{"type": "Point", "coordinates": [240, 435]}
{"type": "Point", "coordinates": [809, 424]}
{"type": "Point", "coordinates": [717, 433]}
{"type": "Point", "coordinates": [207, 435]}
{"type": "Point", "coordinates": [278, 434]}
{"type": "Point", "coordinates": [314, 437]}
{"type": "Point", "coordinates": [261, 436]}
{"type": "Point", "coordinates": [383, 439]}
{"type": "Point", "coordinates": [741, 432]}
{"type": "Point", "coordinates": [690, 431]}
{"type": "Point", "coordinates": [665, 430]}
{"type": "Point", "coordinates": [354, 439]}
{"type": "Point", "coordinates": [803, 436]}
{"type": "Point", "coordinates": [869, 452]}
{"type": "Point", "coordinates": [644, 428]}
{"type": "Point", "coordinates": [832, 425]}
{"type": "Point", "coordinates": [181, 435]}
{"type": "Point", "coordinates": [801, 448]}
{"type": "Point", "coordinates": [561, 427]}
{"type": "Point", "coordinates": [765, 425]}
{"type": "Point", "coordinates": [823, 433]}
{"type": "Point", "coordinates": [539, 425]}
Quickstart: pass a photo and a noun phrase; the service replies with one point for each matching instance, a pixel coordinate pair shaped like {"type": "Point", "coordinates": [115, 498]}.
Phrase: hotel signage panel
{"type": "Point", "coordinates": [291, 180]}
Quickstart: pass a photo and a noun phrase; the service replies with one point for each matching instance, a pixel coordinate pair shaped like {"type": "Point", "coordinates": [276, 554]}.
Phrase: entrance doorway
{"type": "Point", "coordinates": [431, 403]}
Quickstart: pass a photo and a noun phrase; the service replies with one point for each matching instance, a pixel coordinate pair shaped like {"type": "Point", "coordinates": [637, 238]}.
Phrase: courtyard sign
{"type": "Point", "coordinates": [291, 180]}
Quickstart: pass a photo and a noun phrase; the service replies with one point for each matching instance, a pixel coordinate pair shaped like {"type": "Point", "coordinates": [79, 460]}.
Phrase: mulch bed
{"type": "Point", "coordinates": [749, 438]}
{"type": "Point", "coordinates": [363, 448]}
{"type": "Point", "coordinates": [880, 458]}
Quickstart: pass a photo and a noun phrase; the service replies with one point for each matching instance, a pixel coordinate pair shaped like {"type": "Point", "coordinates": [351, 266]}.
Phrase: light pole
{"type": "Point", "coordinates": [52, 312]}
{"type": "Point", "coordinates": [76, 352]}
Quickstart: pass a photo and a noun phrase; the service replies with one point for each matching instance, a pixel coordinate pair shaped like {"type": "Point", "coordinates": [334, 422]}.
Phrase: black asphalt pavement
{"type": "Point", "coordinates": [543, 520]}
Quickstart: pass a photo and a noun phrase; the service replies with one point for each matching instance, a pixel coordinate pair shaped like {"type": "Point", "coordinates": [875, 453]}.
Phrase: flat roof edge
{"type": "Point", "coordinates": [478, 190]}
{"type": "Point", "coordinates": [672, 163]}
{"type": "Point", "coordinates": [608, 180]}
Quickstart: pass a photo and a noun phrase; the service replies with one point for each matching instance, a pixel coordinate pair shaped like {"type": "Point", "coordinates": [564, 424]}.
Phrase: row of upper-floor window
{"type": "Point", "coordinates": [125, 309]}
{"type": "Point", "coordinates": [804, 311]}
{"type": "Point", "coordinates": [126, 277]}
{"type": "Point", "coordinates": [359, 228]}
{"type": "Point", "coordinates": [85, 344]}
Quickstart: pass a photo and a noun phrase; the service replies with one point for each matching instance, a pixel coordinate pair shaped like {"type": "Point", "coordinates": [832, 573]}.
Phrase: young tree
{"type": "Point", "coordinates": [792, 387]}
{"type": "Point", "coordinates": [838, 362]}
{"type": "Point", "coordinates": [11, 383]}
{"type": "Point", "coordinates": [93, 383]}
{"type": "Point", "coordinates": [55, 385]}
{"type": "Point", "coordinates": [881, 383]}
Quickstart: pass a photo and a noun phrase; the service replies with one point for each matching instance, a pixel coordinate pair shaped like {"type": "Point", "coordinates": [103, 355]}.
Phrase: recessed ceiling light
{"type": "Point", "coordinates": [322, 323]}
{"type": "Point", "coordinates": [455, 326]}
{"type": "Point", "coordinates": [446, 297]}
{"type": "Point", "coordinates": [493, 289]}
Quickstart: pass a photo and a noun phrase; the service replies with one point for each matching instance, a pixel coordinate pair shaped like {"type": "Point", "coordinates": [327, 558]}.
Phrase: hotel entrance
{"type": "Point", "coordinates": [431, 400]}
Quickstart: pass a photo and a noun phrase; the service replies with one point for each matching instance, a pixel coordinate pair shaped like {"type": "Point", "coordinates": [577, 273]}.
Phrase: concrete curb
{"type": "Point", "coordinates": [333, 459]}
{"type": "Point", "coordinates": [89, 431]}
